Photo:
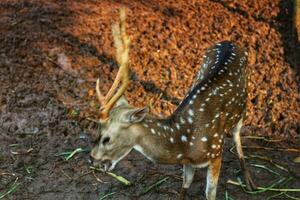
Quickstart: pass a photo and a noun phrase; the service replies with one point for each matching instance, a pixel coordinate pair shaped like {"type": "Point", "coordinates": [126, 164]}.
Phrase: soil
{"type": "Point", "coordinates": [52, 52]}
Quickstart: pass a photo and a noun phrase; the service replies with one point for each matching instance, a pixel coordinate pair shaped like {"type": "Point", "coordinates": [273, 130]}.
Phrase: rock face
{"type": "Point", "coordinates": [168, 41]}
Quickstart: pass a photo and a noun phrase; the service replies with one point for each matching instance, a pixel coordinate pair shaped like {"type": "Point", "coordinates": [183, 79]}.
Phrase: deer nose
{"type": "Point", "coordinates": [93, 154]}
{"type": "Point", "coordinates": [93, 157]}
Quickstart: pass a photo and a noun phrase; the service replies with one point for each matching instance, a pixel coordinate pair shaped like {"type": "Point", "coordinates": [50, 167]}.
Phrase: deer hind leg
{"type": "Point", "coordinates": [212, 178]}
{"type": "Point", "coordinates": [188, 176]}
{"type": "Point", "coordinates": [237, 139]}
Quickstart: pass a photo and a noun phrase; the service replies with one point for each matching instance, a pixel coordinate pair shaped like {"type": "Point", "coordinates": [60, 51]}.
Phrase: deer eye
{"type": "Point", "coordinates": [105, 140]}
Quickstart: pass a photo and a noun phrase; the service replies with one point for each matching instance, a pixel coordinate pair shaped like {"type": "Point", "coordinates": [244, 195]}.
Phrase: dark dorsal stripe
{"type": "Point", "coordinates": [214, 59]}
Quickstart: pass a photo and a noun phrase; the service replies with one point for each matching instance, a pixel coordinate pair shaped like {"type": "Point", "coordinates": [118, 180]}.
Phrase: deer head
{"type": "Point", "coordinates": [117, 118]}
{"type": "Point", "coordinates": [119, 133]}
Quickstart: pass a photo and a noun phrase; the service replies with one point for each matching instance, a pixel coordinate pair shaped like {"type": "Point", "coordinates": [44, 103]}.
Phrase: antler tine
{"type": "Point", "coordinates": [119, 93]}
{"type": "Point", "coordinates": [101, 98]}
{"type": "Point", "coordinates": [121, 43]}
{"type": "Point", "coordinates": [118, 45]}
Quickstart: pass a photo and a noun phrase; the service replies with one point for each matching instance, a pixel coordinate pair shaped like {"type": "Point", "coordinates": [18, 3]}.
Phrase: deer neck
{"type": "Point", "coordinates": [157, 141]}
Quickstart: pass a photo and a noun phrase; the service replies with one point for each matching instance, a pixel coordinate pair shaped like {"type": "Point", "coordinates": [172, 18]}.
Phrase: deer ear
{"type": "Point", "coordinates": [121, 102]}
{"type": "Point", "coordinates": [136, 115]}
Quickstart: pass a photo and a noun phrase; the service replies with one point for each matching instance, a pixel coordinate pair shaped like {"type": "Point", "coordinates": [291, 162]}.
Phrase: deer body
{"type": "Point", "coordinates": [193, 135]}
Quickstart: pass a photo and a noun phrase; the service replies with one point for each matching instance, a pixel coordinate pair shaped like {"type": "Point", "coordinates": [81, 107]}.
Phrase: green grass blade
{"type": "Point", "coordinates": [146, 190]}
{"type": "Point", "coordinates": [269, 188]}
{"type": "Point", "coordinates": [275, 195]}
{"type": "Point", "coordinates": [11, 190]}
{"type": "Point", "coordinates": [266, 168]}
{"type": "Point", "coordinates": [291, 197]}
{"type": "Point", "coordinates": [107, 195]}
{"type": "Point", "coordinates": [119, 178]}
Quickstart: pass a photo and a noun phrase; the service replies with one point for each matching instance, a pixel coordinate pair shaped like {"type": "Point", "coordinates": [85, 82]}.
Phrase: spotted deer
{"type": "Point", "coordinates": [193, 135]}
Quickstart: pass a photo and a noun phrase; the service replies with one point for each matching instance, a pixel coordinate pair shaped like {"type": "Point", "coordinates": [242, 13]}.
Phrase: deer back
{"type": "Point", "coordinates": [214, 104]}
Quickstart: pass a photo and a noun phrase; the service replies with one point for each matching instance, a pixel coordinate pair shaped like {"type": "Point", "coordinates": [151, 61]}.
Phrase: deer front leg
{"type": "Point", "coordinates": [212, 178]}
{"type": "Point", "coordinates": [237, 139]}
{"type": "Point", "coordinates": [188, 176]}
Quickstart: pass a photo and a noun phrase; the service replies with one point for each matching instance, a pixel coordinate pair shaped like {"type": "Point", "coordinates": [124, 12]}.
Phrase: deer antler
{"type": "Point", "coordinates": [121, 43]}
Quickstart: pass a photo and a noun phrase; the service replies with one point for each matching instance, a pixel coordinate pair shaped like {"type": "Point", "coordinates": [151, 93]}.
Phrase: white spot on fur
{"type": "Point", "coordinates": [171, 140]}
{"type": "Point", "coordinates": [182, 121]}
{"type": "Point", "coordinates": [191, 112]}
{"type": "Point", "coordinates": [183, 138]}
{"type": "Point", "coordinates": [177, 126]}
{"type": "Point", "coordinates": [152, 130]}
{"type": "Point", "coordinates": [179, 156]}
{"type": "Point", "coordinates": [190, 120]}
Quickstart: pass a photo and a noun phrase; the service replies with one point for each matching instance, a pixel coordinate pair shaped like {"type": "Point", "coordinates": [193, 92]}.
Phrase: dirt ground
{"type": "Point", "coordinates": [51, 53]}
